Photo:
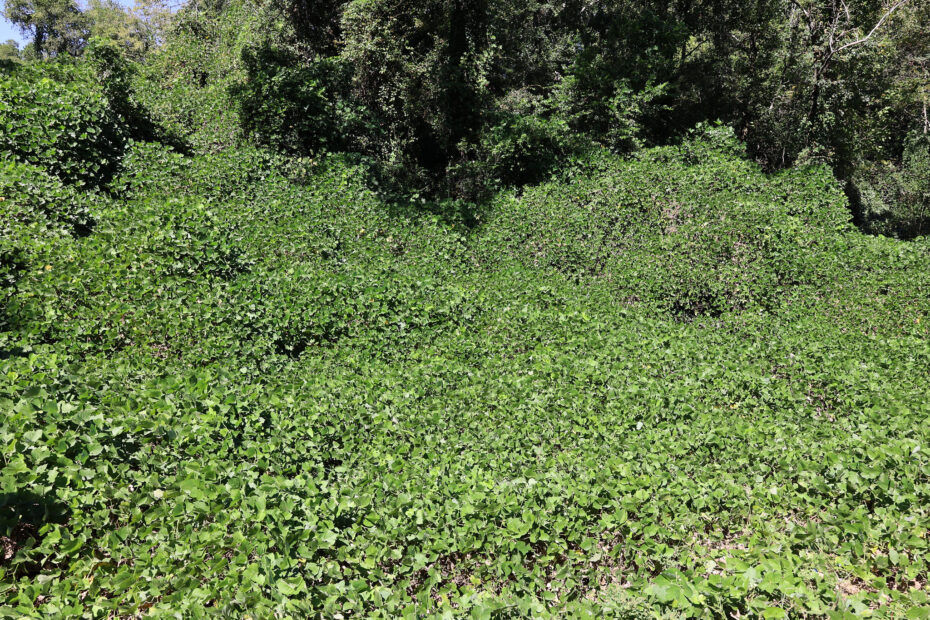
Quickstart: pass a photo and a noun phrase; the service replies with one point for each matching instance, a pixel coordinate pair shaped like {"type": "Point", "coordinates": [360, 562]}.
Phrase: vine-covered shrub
{"type": "Point", "coordinates": [294, 107]}
{"type": "Point", "coordinates": [895, 200]}
{"type": "Point", "coordinates": [615, 114]}
{"type": "Point", "coordinates": [60, 120]}
{"type": "Point", "coordinates": [695, 229]}
{"type": "Point", "coordinates": [37, 210]}
{"type": "Point", "coordinates": [31, 194]}
{"type": "Point", "coordinates": [523, 149]}
{"type": "Point", "coordinates": [185, 84]}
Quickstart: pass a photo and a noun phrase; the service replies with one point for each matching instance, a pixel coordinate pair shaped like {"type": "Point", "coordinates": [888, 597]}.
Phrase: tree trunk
{"type": "Point", "coordinates": [39, 41]}
{"type": "Point", "coordinates": [814, 110]}
{"type": "Point", "coordinates": [466, 24]}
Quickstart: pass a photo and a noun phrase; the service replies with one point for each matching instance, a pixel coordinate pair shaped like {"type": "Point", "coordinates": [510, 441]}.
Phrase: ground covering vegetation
{"type": "Point", "coordinates": [394, 309]}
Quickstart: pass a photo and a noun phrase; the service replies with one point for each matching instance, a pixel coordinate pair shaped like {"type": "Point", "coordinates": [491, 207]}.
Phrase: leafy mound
{"type": "Point", "coordinates": [60, 122]}
{"type": "Point", "coordinates": [692, 239]}
{"type": "Point", "coordinates": [665, 385]}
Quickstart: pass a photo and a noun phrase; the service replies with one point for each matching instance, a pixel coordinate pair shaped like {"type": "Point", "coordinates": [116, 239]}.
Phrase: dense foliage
{"type": "Point", "coordinates": [250, 385]}
{"type": "Point", "coordinates": [895, 198]}
{"type": "Point", "coordinates": [380, 308]}
{"type": "Point", "coordinates": [449, 98]}
{"type": "Point", "coordinates": [59, 125]}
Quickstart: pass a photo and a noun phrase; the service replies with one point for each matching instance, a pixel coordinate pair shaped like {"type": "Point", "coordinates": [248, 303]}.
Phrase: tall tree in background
{"type": "Point", "coordinates": [833, 64]}
{"type": "Point", "coordinates": [830, 30]}
{"type": "Point", "coordinates": [9, 51]}
{"type": "Point", "coordinates": [317, 24]}
{"type": "Point", "coordinates": [108, 20]}
{"type": "Point", "coordinates": [56, 26]}
{"type": "Point", "coordinates": [418, 68]}
{"type": "Point", "coordinates": [435, 88]}
{"type": "Point", "coordinates": [155, 18]}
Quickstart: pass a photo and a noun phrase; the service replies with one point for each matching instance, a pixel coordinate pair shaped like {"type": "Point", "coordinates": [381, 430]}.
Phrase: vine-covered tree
{"type": "Point", "coordinates": [108, 20]}
{"type": "Point", "coordinates": [55, 26]}
{"type": "Point", "coordinates": [9, 51]}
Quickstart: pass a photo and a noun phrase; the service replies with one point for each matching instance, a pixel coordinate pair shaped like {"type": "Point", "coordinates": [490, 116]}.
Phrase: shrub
{"type": "Point", "coordinates": [115, 76]}
{"type": "Point", "coordinates": [37, 211]}
{"type": "Point", "coordinates": [525, 149]}
{"type": "Point", "coordinates": [31, 194]}
{"type": "Point", "coordinates": [185, 84]}
{"type": "Point", "coordinates": [291, 106]}
{"type": "Point", "coordinates": [617, 116]}
{"type": "Point", "coordinates": [894, 200]}
{"type": "Point", "coordinates": [694, 229]}
{"type": "Point", "coordinates": [64, 124]}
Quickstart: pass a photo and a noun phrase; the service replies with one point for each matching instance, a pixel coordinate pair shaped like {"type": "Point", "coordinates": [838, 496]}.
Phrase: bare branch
{"type": "Point", "coordinates": [878, 25]}
{"type": "Point", "coordinates": [806, 12]}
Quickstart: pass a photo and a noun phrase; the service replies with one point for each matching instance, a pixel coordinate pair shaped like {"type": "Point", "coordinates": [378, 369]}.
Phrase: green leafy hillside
{"type": "Point", "coordinates": [239, 384]}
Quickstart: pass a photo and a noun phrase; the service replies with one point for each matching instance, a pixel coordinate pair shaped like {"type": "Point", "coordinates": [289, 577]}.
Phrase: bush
{"type": "Point", "coordinates": [617, 116]}
{"type": "Point", "coordinates": [291, 106]}
{"type": "Point", "coordinates": [31, 194]}
{"type": "Point", "coordinates": [525, 149]}
{"type": "Point", "coordinates": [115, 76]}
{"type": "Point", "coordinates": [519, 149]}
{"type": "Point", "coordinates": [894, 200]}
{"type": "Point", "coordinates": [695, 229]}
{"type": "Point", "coordinates": [37, 210]}
{"type": "Point", "coordinates": [185, 84]}
{"type": "Point", "coordinates": [64, 124]}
